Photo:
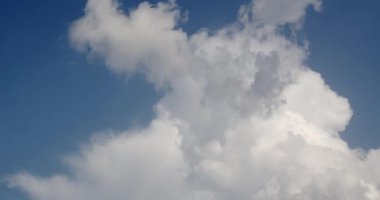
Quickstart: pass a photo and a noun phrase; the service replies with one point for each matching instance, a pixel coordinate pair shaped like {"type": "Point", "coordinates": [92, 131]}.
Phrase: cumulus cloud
{"type": "Point", "coordinates": [241, 117]}
{"type": "Point", "coordinates": [279, 12]}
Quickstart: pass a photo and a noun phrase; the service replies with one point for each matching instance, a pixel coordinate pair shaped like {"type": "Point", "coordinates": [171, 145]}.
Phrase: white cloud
{"type": "Point", "coordinates": [242, 117]}
{"type": "Point", "coordinates": [280, 12]}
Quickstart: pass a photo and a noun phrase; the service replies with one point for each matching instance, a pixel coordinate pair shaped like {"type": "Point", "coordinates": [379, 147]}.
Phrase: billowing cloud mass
{"type": "Point", "coordinates": [241, 117]}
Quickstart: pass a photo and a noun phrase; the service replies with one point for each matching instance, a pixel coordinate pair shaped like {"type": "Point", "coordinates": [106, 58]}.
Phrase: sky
{"type": "Point", "coordinates": [72, 91]}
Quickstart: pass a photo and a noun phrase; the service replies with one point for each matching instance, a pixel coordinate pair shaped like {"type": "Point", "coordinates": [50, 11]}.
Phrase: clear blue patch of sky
{"type": "Point", "coordinates": [345, 50]}
{"type": "Point", "coordinates": [52, 99]}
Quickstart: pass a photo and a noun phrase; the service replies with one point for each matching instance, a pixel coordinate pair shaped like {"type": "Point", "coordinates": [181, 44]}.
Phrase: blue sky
{"type": "Point", "coordinates": [52, 99]}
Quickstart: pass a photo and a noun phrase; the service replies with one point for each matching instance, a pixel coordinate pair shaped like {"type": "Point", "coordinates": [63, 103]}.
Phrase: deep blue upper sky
{"type": "Point", "coordinates": [52, 99]}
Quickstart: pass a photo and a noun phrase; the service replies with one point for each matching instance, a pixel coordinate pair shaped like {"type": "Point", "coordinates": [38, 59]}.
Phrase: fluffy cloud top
{"type": "Point", "coordinates": [242, 117]}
